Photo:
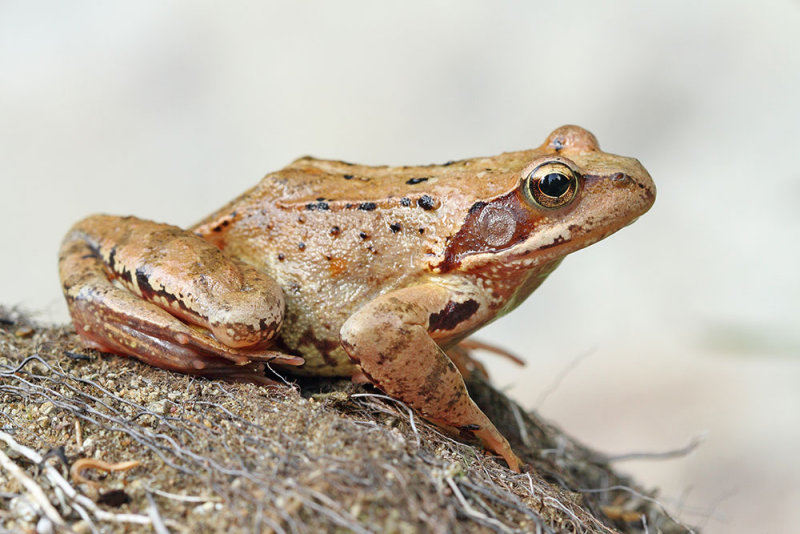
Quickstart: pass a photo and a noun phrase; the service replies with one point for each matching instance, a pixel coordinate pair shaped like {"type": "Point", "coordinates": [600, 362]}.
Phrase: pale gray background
{"type": "Point", "coordinates": [683, 324]}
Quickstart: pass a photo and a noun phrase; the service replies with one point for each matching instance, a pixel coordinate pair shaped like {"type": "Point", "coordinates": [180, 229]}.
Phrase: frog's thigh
{"type": "Point", "coordinates": [111, 318]}
{"type": "Point", "coordinates": [389, 338]}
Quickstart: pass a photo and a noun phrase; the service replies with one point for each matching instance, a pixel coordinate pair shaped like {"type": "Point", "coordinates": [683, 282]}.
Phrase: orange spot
{"type": "Point", "coordinates": [337, 266]}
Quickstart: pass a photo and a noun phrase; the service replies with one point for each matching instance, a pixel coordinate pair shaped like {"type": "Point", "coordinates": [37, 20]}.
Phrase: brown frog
{"type": "Point", "coordinates": [335, 269]}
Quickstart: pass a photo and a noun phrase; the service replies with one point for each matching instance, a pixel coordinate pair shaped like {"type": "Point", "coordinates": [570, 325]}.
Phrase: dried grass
{"type": "Point", "coordinates": [321, 456]}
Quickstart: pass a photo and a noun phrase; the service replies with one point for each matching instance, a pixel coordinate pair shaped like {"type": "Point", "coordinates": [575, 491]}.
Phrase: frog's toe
{"type": "Point", "coordinates": [492, 440]}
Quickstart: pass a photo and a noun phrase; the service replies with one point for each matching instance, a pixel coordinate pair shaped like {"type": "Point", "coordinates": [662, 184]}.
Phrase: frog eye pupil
{"type": "Point", "coordinates": [554, 184]}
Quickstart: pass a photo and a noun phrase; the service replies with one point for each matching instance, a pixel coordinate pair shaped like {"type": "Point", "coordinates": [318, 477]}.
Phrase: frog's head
{"type": "Point", "coordinates": [561, 197]}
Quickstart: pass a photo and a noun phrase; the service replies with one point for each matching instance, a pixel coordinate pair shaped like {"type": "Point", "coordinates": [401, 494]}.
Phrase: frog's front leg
{"type": "Point", "coordinates": [168, 298]}
{"type": "Point", "coordinates": [393, 338]}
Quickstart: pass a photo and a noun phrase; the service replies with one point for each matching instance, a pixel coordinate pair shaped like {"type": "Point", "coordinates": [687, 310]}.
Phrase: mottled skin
{"type": "Point", "coordinates": [351, 270]}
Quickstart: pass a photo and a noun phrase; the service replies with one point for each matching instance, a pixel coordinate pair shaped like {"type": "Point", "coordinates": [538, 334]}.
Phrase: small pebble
{"type": "Point", "coordinates": [23, 331]}
{"type": "Point", "coordinates": [44, 526]}
{"type": "Point", "coordinates": [23, 508]}
{"type": "Point", "coordinates": [46, 408]}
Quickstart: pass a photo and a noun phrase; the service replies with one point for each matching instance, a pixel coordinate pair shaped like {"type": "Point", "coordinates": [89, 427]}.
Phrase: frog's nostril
{"type": "Point", "coordinates": [621, 178]}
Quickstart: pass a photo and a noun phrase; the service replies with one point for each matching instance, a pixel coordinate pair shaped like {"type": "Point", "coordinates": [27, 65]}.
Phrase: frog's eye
{"type": "Point", "coordinates": [551, 185]}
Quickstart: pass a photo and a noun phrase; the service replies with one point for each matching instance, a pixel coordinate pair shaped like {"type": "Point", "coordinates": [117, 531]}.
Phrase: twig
{"type": "Point", "coordinates": [664, 455]}
{"type": "Point", "coordinates": [78, 434]}
{"type": "Point", "coordinates": [155, 517]}
{"type": "Point", "coordinates": [34, 490]}
{"type": "Point", "coordinates": [400, 403]}
{"type": "Point", "coordinates": [546, 392]}
{"type": "Point", "coordinates": [182, 498]}
{"type": "Point", "coordinates": [470, 511]}
{"type": "Point", "coordinates": [523, 431]}
{"type": "Point", "coordinates": [557, 504]}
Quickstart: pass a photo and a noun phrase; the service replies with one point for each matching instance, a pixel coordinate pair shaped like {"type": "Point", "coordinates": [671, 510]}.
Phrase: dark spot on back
{"type": "Point", "coordinates": [335, 230]}
{"type": "Point", "coordinates": [348, 176]}
{"type": "Point", "coordinates": [363, 235]}
{"type": "Point", "coordinates": [426, 202]}
{"type": "Point", "coordinates": [405, 201]}
{"type": "Point", "coordinates": [414, 181]}
{"type": "Point", "coordinates": [367, 206]}
{"type": "Point", "coordinates": [319, 205]}
{"type": "Point", "coordinates": [301, 245]}
{"type": "Point", "coordinates": [394, 227]}
{"type": "Point", "coordinates": [281, 256]}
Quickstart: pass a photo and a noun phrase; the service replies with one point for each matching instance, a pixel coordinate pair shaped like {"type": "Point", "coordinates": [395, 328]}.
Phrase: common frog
{"type": "Point", "coordinates": [336, 269]}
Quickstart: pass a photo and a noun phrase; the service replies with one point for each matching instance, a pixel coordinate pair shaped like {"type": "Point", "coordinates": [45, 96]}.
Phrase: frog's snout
{"type": "Point", "coordinates": [642, 180]}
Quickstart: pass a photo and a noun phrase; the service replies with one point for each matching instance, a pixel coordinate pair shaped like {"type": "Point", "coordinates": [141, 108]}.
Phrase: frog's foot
{"type": "Point", "coordinates": [389, 338]}
{"type": "Point", "coordinates": [161, 315]}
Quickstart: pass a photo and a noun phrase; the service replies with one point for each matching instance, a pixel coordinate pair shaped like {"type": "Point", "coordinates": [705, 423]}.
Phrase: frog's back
{"type": "Point", "coordinates": [335, 235]}
{"type": "Point", "coordinates": [307, 179]}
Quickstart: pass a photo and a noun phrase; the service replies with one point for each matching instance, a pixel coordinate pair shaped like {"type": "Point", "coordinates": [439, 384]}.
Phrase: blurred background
{"type": "Point", "coordinates": [684, 325]}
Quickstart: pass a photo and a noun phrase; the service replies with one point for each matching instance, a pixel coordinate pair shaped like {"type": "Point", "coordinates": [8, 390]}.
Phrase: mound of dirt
{"type": "Point", "coordinates": [92, 442]}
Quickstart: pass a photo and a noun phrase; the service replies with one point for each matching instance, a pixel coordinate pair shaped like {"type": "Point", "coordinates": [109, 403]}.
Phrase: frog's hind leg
{"type": "Point", "coordinates": [127, 283]}
{"type": "Point", "coordinates": [391, 338]}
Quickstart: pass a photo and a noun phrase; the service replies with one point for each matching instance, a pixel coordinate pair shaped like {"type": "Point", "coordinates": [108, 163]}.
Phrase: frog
{"type": "Point", "coordinates": [332, 269]}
